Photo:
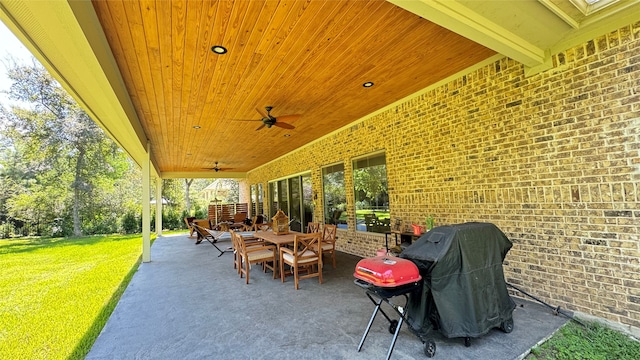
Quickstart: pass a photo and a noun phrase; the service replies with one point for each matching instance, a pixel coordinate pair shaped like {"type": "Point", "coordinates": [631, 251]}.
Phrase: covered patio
{"type": "Point", "coordinates": [520, 113]}
{"type": "Point", "coordinates": [190, 304]}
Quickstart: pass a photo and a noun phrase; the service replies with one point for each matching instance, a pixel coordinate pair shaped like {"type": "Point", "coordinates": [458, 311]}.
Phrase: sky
{"type": "Point", "coordinates": [10, 46]}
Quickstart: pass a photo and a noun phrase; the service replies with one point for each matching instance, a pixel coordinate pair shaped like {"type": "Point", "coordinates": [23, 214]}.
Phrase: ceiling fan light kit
{"type": "Point", "coordinates": [269, 120]}
{"type": "Point", "coordinates": [215, 168]}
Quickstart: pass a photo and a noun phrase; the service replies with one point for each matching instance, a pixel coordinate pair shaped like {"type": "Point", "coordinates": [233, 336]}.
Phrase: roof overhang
{"type": "Point", "coordinates": [67, 39]}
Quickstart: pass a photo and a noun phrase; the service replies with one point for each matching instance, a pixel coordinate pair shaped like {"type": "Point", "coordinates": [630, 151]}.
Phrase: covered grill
{"type": "Point", "coordinates": [464, 293]}
{"type": "Point", "coordinates": [461, 289]}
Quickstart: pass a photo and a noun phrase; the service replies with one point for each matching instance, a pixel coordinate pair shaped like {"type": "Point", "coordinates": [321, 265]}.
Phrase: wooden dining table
{"type": "Point", "coordinates": [277, 240]}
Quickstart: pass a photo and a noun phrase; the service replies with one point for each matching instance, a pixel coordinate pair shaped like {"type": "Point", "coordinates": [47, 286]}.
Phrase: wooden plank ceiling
{"type": "Point", "coordinates": [301, 57]}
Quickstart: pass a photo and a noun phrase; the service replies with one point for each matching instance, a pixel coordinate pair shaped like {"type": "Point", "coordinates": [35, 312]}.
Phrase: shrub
{"type": "Point", "coordinates": [131, 223]}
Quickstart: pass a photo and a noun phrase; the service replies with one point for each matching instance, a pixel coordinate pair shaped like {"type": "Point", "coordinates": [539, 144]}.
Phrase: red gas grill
{"type": "Point", "coordinates": [385, 277]}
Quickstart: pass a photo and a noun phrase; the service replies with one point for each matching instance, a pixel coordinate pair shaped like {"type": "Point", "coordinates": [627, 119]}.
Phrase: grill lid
{"type": "Point", "coordinates": [387, 271]}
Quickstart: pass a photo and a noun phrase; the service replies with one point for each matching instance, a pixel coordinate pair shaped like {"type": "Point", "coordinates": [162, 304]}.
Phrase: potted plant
{"type": "Point", "coordinates": [430, 222]}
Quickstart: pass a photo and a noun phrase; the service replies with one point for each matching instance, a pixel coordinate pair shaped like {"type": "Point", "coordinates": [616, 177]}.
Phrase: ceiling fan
{"type": "Point", "coordinates": [216, 168]}
{"type": "Point", "coordinates": [269, 120]}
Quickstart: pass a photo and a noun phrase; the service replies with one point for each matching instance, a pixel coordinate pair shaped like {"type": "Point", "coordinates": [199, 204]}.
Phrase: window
{"type": "Point", "coordinates": [260, 200]}
{"type": "Point", "coordinates": [371, 196]}
{"type": "Point", "coordinates": [254, 199]}
{"type": "Point", "coordinates": [273, 197]}
{"type": "Point", "coordinates": [335, 197]}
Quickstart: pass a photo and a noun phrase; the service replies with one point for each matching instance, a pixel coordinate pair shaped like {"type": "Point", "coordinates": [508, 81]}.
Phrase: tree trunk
{"type": "Point", "coordinates": [77, 183]}
{"type": "Point", "coordinates": [187, 183]}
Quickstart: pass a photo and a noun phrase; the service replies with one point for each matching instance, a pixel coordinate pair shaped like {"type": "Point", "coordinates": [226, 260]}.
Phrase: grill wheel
{"type": "Point", "coordinates": [430, 348]}
{"type": "Point", "coordinates": [393, 326]}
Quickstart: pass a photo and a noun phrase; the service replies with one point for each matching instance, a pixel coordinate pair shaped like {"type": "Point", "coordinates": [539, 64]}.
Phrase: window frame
{"type": "Point", "coordinates": [373, 223]}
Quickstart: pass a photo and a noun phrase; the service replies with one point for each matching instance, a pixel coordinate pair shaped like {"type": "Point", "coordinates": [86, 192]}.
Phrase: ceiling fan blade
{"type": "Point", "coordinates": [284, 125]}
{"type": "Point", "coordinates": [288, 118]}
{"type": "Point", "coordinates": [260, 127]}
{"type": "Point", "coordinates": [262, 113]}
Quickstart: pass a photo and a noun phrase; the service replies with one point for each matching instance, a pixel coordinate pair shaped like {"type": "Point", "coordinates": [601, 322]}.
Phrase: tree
{"type": "Point", "coordinates": [56, 157]}
{"type": "Point", "coordinates": [187, 185]}
{"type": "Point", "coordinates": [370, 182]}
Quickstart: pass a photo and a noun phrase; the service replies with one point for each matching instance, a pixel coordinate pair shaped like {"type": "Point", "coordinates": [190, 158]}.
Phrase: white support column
{"type": "Point", "coordinates": [244, 195]}
{"type": "Point", "coordinates": [159, 204]}
{"type": "Point", "coordinates": [146, 207]}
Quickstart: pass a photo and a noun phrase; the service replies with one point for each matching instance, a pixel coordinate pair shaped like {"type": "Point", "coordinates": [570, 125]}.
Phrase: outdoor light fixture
{"type": "Point", "coordinates": [219, 49]}
{"type": "Point", "coordinates": [368, 84]}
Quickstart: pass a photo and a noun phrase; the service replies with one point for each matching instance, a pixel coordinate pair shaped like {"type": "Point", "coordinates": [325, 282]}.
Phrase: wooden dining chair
{"type": "Point", "coordinates": [238, 221]}
{"type": "Point", "coordinates": [328, 242]}
{"type": "Point", "coordinates": [263, 226]}
{"type": "Point", "coordinates": [236, 251]}
{"type": "Point", "coordinates": [313, 227]}
{"type": "Point", "coordinates": [257, 224]}
{"type": "Point", "coordinates": [305, 253]}
{"type": "Point", "coordinates": [251, 227]}
{"type": "Point", "coordinates": [253, 254]}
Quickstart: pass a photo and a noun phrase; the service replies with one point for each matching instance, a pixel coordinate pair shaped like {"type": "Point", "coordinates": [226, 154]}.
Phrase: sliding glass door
{"type": "Point", "coordinates": [294, 197]}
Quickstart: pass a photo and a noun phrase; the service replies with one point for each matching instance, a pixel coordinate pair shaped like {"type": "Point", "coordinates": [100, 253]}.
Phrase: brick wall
{"type": "Point", "coordinates": [552, 159]}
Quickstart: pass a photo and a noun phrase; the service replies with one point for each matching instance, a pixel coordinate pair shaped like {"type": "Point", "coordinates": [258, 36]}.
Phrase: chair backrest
{"type": "Point", "coordinates": [203, 223]}
{"type": "Point", "coordinates": [329, 233]}
{"type": "Point", "coordinates": [307, 245]}
{"type": "Point", "coordinates": [202, 232]}
{"type": "Point", "coordinates": [313, 227]}
{"type": "Point", "coordinates": [253, 226]}
{"type": "Point", "coordinates": [239, 242]}
{"type": "Point", "coordinates": [235, 241]}
{"type": "Point", "coordinates": [263, 226]}
{"type": "Point", "coordinates": [239, 217]}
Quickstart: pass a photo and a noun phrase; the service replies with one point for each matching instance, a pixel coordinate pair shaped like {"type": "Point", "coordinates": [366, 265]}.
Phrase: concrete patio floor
{"type": "Point", "coordinates": [187, 303]}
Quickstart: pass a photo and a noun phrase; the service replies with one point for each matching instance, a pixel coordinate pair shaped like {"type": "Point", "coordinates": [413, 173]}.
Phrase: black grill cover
{"type": "Point", "coordinates": [464, 293]}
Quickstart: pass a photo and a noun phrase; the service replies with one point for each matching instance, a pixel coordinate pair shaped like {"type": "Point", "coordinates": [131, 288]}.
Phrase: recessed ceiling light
{"type": "Point", "coordinates": [196, 127]}
{"type": "Point", "coordinates": [287, 135]}
{"type": "Point", "coordinates": [219, 49]}
{"type": "Point", "coordinates": [368, 84]}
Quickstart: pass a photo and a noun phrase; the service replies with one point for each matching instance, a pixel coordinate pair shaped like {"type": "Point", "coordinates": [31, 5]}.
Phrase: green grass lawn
{"type": "Point", "coordinates": [594, 342]}
{"type": "Point", "coordinates": [380, 214]}
{"type": "Point", "coordinates": [57, 294]}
